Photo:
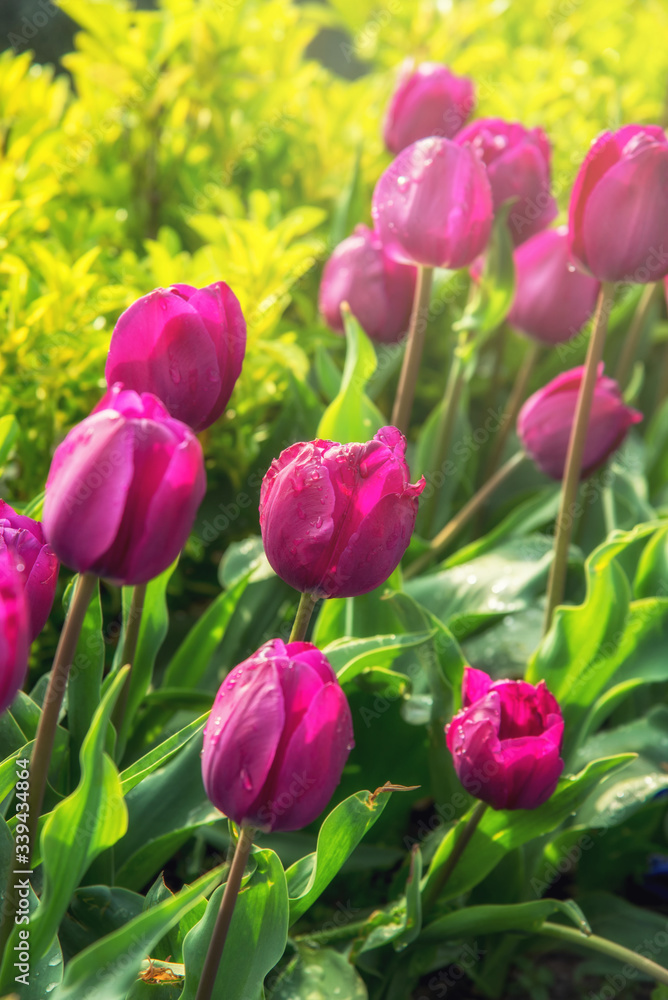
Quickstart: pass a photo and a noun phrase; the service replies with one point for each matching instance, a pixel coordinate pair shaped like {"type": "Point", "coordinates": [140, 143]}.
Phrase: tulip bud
{"type": "Point", "coordinates": [123, 489]}
{"type": "Point", "coordinates": [378, 290]}
{"type": "Point", "coordinates": [618, 216]}
{"type": "Point", "coordinates": [14, 630]}
{"type": "Point", "coordinates": [277, 739]}
{"type": "Point", "coordinates": [337, 518]}
{"type": "Point", "coordinates": [35, 561]}
{"type": "Point", "coordinates": [545, 421]}
{"type": "Point", "coordinates": [518, 166]}
{"type": "Point", "coordinates": [553, 300]}
{"type": "Point", "coordinates": [428, 100]}
{"type": "Point", "coordinates": [433, 205]}
{"type": "Point", "coordinates": [506, 741]}
{"type": "Point", "coordinates": [185, 345]}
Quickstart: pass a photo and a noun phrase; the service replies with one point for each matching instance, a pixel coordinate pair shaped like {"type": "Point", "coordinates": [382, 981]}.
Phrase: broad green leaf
{"type": "Point", "coordinates": [351, 657]}
{"type": "Point", "coordinates": [44, 975]}
{"type": "Point", "coordinates": [494, 289]}
{"type": "Point", "coordinates": [494, 919]}
{"type": "Point", "coordinates": [319, 974]}
{"type": "Point", "coordinates": [351, 416]}
{"type": "Point", "coordinates": [94, 912]}
{"type": "Point", "coordinates": [524, 518]}
{"type": "Point", "coordinates": [8, 769]}
{"type": "Point", "coordinates": [85, 679]}
{"type": "Point", "coordinates": [132, 775]}
{"type": "Point", "coordinates": [405, 921]}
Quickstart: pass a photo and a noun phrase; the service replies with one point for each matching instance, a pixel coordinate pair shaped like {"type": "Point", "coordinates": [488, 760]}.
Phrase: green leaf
{"type": "Point", "coordinates": [158, 757]}
{"type": "Point", "coordinates": [496, 919]}
{"type": "Point", "coordinates": [351, 416]}
{"type": "Point", "coordinates": [94, 912]}
{"type": "Point", "coordinates": [405, 921]}
{"type": "Point", "coordinates": [493, 293]}
{"type": "Point", "coordinates": [85, 679]}
{"type": "Point", "coordinates": [351, 657]}
{"type": "Point", "coordinates": [9, 431]}
{"type": "Point", "coordinates": [256, 939]}
{"type": "Point", "coordinates": [43, 975]}
{"type": "Point", "coordinates": [319, 974]}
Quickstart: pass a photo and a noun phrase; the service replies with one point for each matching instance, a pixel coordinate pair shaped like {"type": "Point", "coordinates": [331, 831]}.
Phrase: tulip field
{"type": "Point", "coordinates": [334, 500]}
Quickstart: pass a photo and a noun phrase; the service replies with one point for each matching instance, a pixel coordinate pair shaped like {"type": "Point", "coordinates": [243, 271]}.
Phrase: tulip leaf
{"type": "Point", "coordinates": [351, 657]}
{"type": "Point", "coordinates": [351, 416]}
{"type": "Point", "coordinates": [339, 834]}
{"type": "Point", "coordinates": [85, 680]}
{"type": "Point", "coordinates": [256, 939]}
{"type": "Point", "coordinates": [319, 974]}
{"type": "Point", "coordinates": [495, 919]}
{"type": "Point", "coordinates": [94, 911]}
{"type": "Point", "coordinates": [405, 921]}
{"type": "Point", "coordinates": [494, 290]}
{"type": "Point", "coordinates": [158, 757]}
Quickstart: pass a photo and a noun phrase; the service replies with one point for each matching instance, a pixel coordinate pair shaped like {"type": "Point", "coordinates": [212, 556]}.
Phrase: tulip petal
{"type": "Point", "coordinates": [475, 685]}
{"type": "Point", "coordinates": [220, 311]}
{"type": "Point", "coordinates": [602, 155]}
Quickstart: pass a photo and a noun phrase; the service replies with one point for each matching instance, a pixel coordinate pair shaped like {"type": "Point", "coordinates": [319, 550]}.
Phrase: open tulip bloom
{"type": "Point", "coordinates": [34, 559]}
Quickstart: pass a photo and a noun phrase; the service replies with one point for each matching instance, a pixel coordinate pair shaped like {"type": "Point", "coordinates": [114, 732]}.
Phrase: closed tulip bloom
{"type": "Point", "coordinates": [518, 166]}
{"type": "Point", "coordinates": [36, 562]}
{"type": "Point", "coordinates": [428, 100]}
{"type": "Point", "coordinates": [185, 345]}
{"type": "Point", "coordinates": [618, 216]}
{"type": "Point", "coordinates": [545, 421]}
{"type": "Point", "coordinates": [14, 629]}
{"type": "Point", "coordinates": [506, 741]}
{"type": "Point", "coordinates": [378, 290]}
{"type": "Point", "coordinates": [277, 739]}
{"type": "Point", "coordinates": [553, 300]}
{"type": "Point", "coordinates": [337, 518]}
{"type": "Point", "coordinates": [433, 205]}
{"type": "Point", "coordinates": [123, 489]}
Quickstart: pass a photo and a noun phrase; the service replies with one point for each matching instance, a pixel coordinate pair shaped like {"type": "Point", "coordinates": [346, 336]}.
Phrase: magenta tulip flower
{"type": "Point", "coordinates": [337, 518]}
{"type": "Point", "coordinates": [123, 489]}
{"type": "Point", "coordinates": [506, 741]}
{"type": "Point", "coordinates": [553, 300]}
{"type": "Point", "coordinates": [378, 290]}
{"type": "Point", "coordinates": [277, 739]}
{"type": "Point", "coordinates": [518, 166]}
{"type": "Point", "coordinates": [14, 629]}
{"type": "Point", "coordinates": [428, 100]}
{"type": "Point", "coordinates": [185, 346]}
{"type": "Point", "coordinates": [545, 421]}
{"type": "Point", "coordinates": [618, 217]}
{"type": "Point", "coordinates": [433, 205]}
{"type": "Point", "coordinates": [35, 561]}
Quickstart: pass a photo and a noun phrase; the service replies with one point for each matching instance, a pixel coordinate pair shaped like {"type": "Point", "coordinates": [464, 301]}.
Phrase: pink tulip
{"type": "Point", "coordinates": [185, 346]}
{"type": "Point", "coordinates": [433, 205]}
{"type": "Point", "coordinates": [553, 300]}
{"type": "Point", "coordinates": [545, 421]}
{"type": "Point", "coordinates": [378, 290]}
{"type": "Point", "coordinates": [14, 629]}
{"type": "Point", "coordinates": [35, 561]}
{"type": "Point", "coordinates": [518, 166]}
{"type": "Point", "coordinates": [428, 100]}
{"type": "Point", "coordinates": [123, 489]}
{"type": "Point", "coordinates": [277, 739]}
{"type": "Point", "coordinates": [506, 741]}
{"type": "Point", "coordinates": [337, 518]}
{"type": "Point", "coordinates": [618, 219]}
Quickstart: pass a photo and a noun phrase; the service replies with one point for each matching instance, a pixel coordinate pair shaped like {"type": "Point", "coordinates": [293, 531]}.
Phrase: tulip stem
{"type": "Point", "coordinates": [403, 401]}
{"type": "Point", "coordinates": [130, 640]}
{"type": "Point", "coordinates": [442, 877]}
{"type": "Point", "coordinates": [307, 603]}
{"type": "Point", "coordinates": [573, 936]}
{"type": "Point", "coordinates": [576, 446]}
{"type": "Point", "coordinates": [634, 336]}
{"type": "Point", "coordinates": [224, 918]}
{"type": "Point", "coordinates": [462, 517]}
{"type": "Point", "coordinates": [515, 401]}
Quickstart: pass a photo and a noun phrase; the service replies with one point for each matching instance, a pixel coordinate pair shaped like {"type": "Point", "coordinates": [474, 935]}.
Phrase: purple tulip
{"type": "Point", "coordinates": [185, 345]}
{"type": "Point", "coordinates": [545, 421]}
{"type": "Point", "coordinates": [618, 217]}
{"type": "Point", "coordinates": [35, 561]}
{"type": "Point", "coordinates": [428, 100]}
{"type": "Point", "coordinates": [518, 166]}
{"type": "Point", "coordinates": [506, 741]}
{"type": "Point", "coordinates": [337, 518]}
{"type": "Point", "coordinates": [14, 629]}
{"type": "Point", "coordinates": [123, 489]}
{"type": "Point", "coordinates": [277, 739]}
{"type": "Point", "coordinates": [378, 290]}
{"type": "Point", "coordinates": [433, 205]}
{"type": "Point", "coordinates": [553, 300]}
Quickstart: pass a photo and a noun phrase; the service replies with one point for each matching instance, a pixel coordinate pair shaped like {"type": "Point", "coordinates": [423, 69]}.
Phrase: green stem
{"type": "Point", "coordinates": [221, 927]}
{"type": "Point", "coordinates": [132, 629]}
{"type": "Point", "coordinates": [573, 936]}
{"type": "Point", "coordinates": [462, 518]}
{"type": "Point", "coordinates": [440, 881]}
{"type": "Point", "coordinates": [634, 336]}
{"type": "Point", "coordinates": [576, 446]}
{"type": "Point", "coordinates": [307, 602]}
{"type": "Point", "coordinates": [403, 401]}
{"type": "Point", "coordinates": [514, 406]}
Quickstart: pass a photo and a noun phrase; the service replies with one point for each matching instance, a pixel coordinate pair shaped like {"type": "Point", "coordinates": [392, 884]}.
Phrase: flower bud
{"type": "Point", "coordinates": [506, 741]}
{"type": "Point", "coordinates": [553, 300]}
{"type": "Point", "coordinates": [14, 629]}
{"type": "Point", "coordinates": [277, 739]}
{"type": "Point", "coordinates": [378, 290]}
{"type": "Point", "coordinates": [185, 345]}
{"type": "Point", "coordinates": [123, 489]}
{"type": "Point", "coordinates": [433, 205]}
{"type": "Point", "coordinates": [428, 100]}
{"type": "Point", "coordinates": [618, 216]}
{"type": "Point", "coordinates": [337, 518]}
{"type": "Point", "coordinates": [545, 421]}
{"type": "Point", "coordinates": [518, 166]}
{"type": "Point", "coordinates": [34, 560]}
